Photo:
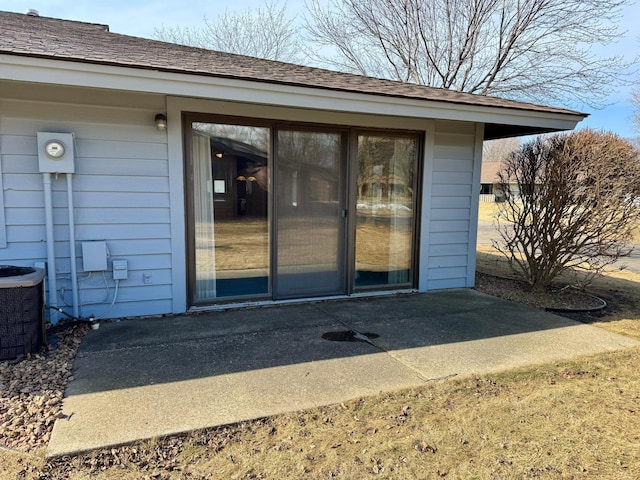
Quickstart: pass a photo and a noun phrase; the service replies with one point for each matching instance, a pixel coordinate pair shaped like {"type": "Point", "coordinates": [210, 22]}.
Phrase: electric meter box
{"type": "Point", "coordinates": [55, 152]}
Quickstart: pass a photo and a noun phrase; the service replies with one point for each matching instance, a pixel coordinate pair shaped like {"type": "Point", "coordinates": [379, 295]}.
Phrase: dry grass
{"type": "Point", "coordinates": [572, 420]}
{"type": "Point", "coordinates": [568, 420]}
{"type": "Point", "coordinates": [488, 211]}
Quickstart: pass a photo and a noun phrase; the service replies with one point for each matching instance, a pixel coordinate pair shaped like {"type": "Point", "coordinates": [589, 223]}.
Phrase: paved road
{"type": "Point", "coordinates": [487, 232]}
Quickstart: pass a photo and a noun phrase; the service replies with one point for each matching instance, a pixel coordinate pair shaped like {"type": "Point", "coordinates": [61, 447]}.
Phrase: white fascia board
{"type": "Point", "coordinates": [57, 72]}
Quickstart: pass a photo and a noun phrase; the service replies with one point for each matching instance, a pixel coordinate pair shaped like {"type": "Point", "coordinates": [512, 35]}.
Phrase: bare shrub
{"type": "Point", "coordinates": [573, 204]}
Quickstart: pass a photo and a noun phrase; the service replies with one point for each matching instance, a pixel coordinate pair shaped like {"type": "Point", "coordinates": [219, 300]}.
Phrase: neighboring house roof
{"type": "Point", "coordinates": [50, 38]}
{"type": "Point", "coordinates": [489, 172]}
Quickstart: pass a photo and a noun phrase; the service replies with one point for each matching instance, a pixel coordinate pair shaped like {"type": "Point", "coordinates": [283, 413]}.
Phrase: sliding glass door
{"type": "Point", "coordinates": [385, 204]}
{"type": "Point", "coordinates": [273, 213]}
{"type": "Point", "coordinates": [310, 214]}
{"type": "Point", "coordinates": [230, 177]}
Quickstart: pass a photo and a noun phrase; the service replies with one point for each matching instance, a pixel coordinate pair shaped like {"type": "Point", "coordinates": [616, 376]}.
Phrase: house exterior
{"type": "Point", "coordinates": [153, 178]}
{"type": "Point", "coordinates": [490, 189]}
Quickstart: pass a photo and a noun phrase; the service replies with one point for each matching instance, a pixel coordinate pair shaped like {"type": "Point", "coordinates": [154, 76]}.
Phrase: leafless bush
{"type": "Point", "coordinates": [572, 205]}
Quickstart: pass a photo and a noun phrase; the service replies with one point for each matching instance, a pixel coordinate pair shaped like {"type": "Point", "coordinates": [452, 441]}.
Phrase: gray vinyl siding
{"type": "Point", "coordinates": [449, 263]}
{"type": "Point", "coordinates": [121, 195]}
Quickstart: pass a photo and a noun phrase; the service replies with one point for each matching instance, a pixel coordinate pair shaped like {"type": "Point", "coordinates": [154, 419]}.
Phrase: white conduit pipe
{"type": "Point", "coordinates": [51, 256]}
{"type": "Point", "coordinates": [72, 247]}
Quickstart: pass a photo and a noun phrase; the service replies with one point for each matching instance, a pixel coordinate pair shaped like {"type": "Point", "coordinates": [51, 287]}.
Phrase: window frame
{"type": "Point", "coordinates": [351, 145]}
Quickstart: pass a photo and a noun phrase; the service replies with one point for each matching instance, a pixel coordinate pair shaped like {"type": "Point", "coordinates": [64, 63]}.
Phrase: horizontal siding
{"type": "Point", "coordinates": [445, 273]}
{"type": "Point", "coordinates": [453, 178]}
{"type": "Point", "coordinates": [89, 183]}
{"type": "Point", "coordinates": [448, 249]}
{"type": "Point", "coordinates": [445, 226]}
{"type": "Point", "coordinates": [445, 238]}
{"type": "Point", "coordinates": [94, 231]}
{"type": "Point", "coordinates": [450, 204]}
{"type": "Point", "coordinates": [86, 215]}
{"type": "Point", "coordinates": [36, 250]}
{"type": "Point", "coordinates": [88, 166]}
{"type": "Point", "coordinates": [451, 190]}
{"type": "Point", "coordinates": [454, 203]}
{"type": "Point", "coordinates": [458, 155]}
{"type": "Point", "coordinates": [439, 262]}
{"type": "Point", "coordinates": [450, 214]}
{"type": "Point", "coordinates": [89, 199]}
{"type": "Point", "coordinates": [121, 195]}
{"type": "Point", "coordinates": [442, 284]}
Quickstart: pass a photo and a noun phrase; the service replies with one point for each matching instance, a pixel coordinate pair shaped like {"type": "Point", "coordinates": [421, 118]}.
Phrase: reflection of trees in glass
{"type": "Point", "coordinates": [311, 148]}
{"type": "Point", "coordinates": [257, 137]}
{"type": "Point", "coordinates": [309, 166]}
{"type": "Point", "coordinates": [386, 168]}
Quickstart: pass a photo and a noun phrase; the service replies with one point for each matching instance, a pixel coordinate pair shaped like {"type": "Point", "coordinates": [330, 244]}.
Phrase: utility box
{"type": "Point", "coordinates": [55, 152]}
{"type": "Point", "coordinates": [22, 329]}
{"type": "Point", "coordinates": [94, 256]}
{"type": "Point", "coordinates": [120, 269]}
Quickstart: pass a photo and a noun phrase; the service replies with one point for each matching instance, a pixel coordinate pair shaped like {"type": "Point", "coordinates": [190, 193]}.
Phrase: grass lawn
{"type": "Point", "coordinates": [568, 420]}
{"type": "Point", "coordinates": [487, 211]}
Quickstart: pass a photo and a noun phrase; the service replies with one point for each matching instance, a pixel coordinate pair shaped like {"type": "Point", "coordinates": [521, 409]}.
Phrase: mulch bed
{"type": "Point", "coordinates": [555, 297]}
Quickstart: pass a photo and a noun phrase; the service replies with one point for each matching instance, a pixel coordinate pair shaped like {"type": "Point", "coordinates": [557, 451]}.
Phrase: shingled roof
{"type": "Point", "coordinates": [50, 38]}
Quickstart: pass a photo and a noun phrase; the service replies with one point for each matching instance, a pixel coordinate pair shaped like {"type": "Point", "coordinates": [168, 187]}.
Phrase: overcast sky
{"type": "Point", "coordinates": [140, 17]}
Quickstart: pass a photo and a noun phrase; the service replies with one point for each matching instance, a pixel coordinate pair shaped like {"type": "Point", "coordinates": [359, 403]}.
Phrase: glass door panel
{"type": "Point", "coordinates": [309, 214]}
{"type": "Point", "coordinates": [385, 207]}
{"type": "Point", "coordinates": [230, 207]}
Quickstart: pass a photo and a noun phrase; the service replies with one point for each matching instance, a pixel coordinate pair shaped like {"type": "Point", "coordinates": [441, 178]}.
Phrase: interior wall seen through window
{"type": "Point", "coordinates": [231, 220]}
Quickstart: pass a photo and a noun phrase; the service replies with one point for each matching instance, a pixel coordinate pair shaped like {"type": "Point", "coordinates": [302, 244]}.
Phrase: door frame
{"type": "Point", "coordinates": [348, 199]}
{"type": "Point", "coordinates": [344, 187]}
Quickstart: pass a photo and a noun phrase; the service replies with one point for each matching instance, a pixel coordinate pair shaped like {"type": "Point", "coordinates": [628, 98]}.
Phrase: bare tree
{"type": "Point", "coordinates": [577, 207]}
{"type": "Point", "coordinates": [265, 32]}
{"type": "Point", "coordinates": [635, 99]}
{"type": "Point", "coordinates": [529, 50]}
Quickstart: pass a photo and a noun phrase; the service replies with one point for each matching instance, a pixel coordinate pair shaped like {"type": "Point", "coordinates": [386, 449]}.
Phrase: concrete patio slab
{"type": "Point", "coordinates": [146, 378]}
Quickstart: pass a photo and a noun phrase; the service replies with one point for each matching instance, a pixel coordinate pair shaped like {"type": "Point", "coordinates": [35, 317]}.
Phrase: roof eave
{"type": "Point", "coordinates": [501, 121]}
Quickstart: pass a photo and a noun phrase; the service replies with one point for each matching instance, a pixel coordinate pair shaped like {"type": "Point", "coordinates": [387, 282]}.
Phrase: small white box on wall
{"type": "Point", "coordinates": [94, 256]}
{"type": "Point", "coordinates": [120, 269]}
{"type": "Point", "coordinates": [55, 152]}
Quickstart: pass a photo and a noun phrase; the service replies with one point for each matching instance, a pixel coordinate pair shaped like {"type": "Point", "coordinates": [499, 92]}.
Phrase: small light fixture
{"type": "Point", "coordinates": [161, 122]}
{"type": "Point", "coordinates": [241, 178]}
{"type": "Point", "coordinates": [219, 154]}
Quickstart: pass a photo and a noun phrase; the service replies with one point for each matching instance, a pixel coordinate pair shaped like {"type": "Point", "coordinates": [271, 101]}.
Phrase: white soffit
{"type": "Point", "coordinates": [56, 72]}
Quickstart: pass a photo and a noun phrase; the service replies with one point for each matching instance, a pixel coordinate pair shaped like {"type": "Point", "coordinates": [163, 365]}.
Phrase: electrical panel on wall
{"type": "Point", "coordinates": [94, 256]}
{"type": "Point", "coordinates": [55, 152]}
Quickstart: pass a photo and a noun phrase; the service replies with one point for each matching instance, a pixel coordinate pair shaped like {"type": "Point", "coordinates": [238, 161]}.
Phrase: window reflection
{"type": "Point", "coordinates": [231, 182]}
{"type": "Point", "coordinates": [310, 248]}
{"type": "Point", "coordinates": [385, 210]}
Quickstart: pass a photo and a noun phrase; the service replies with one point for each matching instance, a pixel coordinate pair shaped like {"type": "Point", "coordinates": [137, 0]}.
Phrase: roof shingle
{"type": "Point", "coordinates": [51, 38]}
